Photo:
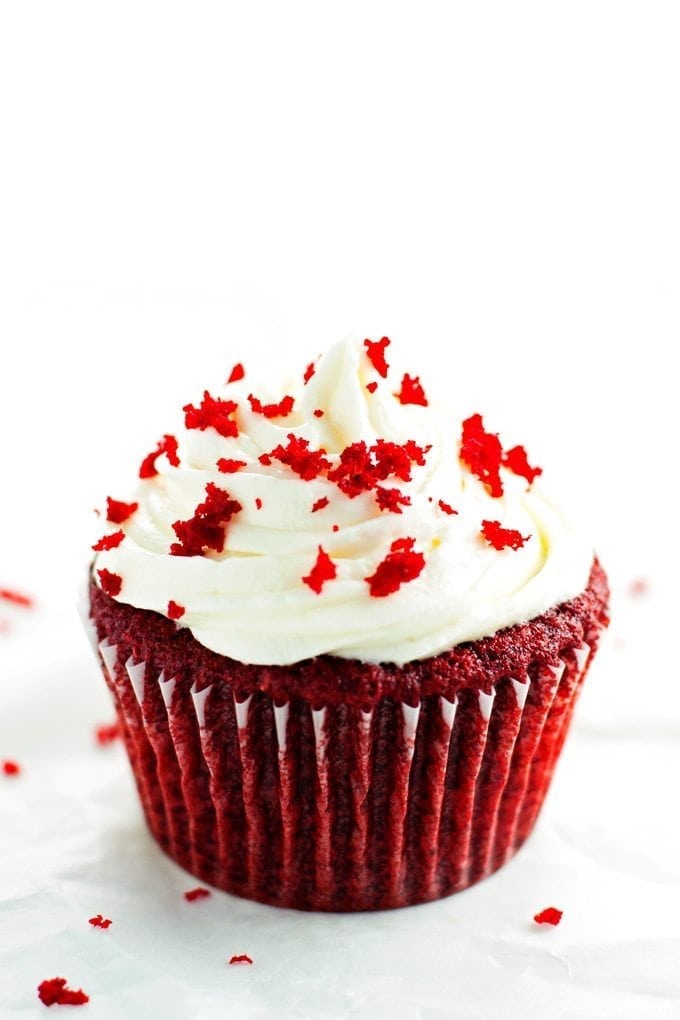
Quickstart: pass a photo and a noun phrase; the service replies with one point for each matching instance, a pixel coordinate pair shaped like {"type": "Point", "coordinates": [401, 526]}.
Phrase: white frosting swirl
{"type": "Point", "coordinates": [249, 601]}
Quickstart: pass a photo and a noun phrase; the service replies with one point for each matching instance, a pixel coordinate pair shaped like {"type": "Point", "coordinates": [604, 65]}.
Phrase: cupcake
{"type": "Point", "coordinates": [344, 632]}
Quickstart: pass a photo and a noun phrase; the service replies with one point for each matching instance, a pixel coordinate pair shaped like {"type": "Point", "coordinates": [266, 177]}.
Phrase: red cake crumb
{"type": "Point", "coordinates": [411, 391]}
{"type": "Point", "coordinates": [168, 446]}
{"type": "Point", "coordinates": [482, 453]}
{"type": "Point", "coordinates": [175, 611]}
{"type": "Point", "coordinates": [55, 992]}
{"type": "Point", "coordinates": [196, 894]}
{"type": "Point", "coordinates": [228, 466]}
{"type": "Point", "coordinates": [107, 542]}
{"type": "Point", "coordinates": [107, 733]}
{"type": "Point", "coordinates": [242, 958]}
{"type": "Point", "coordinates": [502, 538]}
{"type": "Point", "coordinates": [336, 527]}
{"type": "Point", "coordinates": [280, 410]}
{"type": "Point", "coordinates": [318, 413]}
{"type": "Point", "coordinates": [391, 499]}
{"type": "Point", "coordinates": [258, 503]}
{"type": "Point", "coordinates": [320, 504]}
{"type": "Point", "coordinates": [237, 373]}
{"type": "Point", "coordinates": [401, 564]}
{"type": "Point", "coordinates": [551, 915]}
{"type": "Point", "coordinates": [16, 597]}
{"type": "Point", "coordinates": [118, 512]}
{"type": "Point", "coordinates": [296, 455]}
{"type": "Point", "coordinates": [207, 529]}
{"type": "Point", "coordinates": [100, 922]}
{"type": "Point", "coordinates": [213, 412]}
{"type": "Point", "coordinates": [11, 768]}
{"type": "Point", "coordinates": [376, 355]}
{"type": "Point", "coordinates": [309, 372]}
{"type": "Point", "coordinates": [323, 570]}
{"type": "Point", "coordinates": [516, 460]}
{"type": "Point", "coordinates": [371, 387]}
{"type": "Point", "coordinates": [265, 459]}
{"type": "Point", "coordinates": [445, 507]}
{"type": "Point", "coordinates": [111, 583]}
{"type": "Point", "coordinates": [361, 468]}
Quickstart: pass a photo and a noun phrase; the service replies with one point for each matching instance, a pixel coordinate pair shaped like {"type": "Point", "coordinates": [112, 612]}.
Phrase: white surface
{"type": "Point", "coordinates": [494, 185]}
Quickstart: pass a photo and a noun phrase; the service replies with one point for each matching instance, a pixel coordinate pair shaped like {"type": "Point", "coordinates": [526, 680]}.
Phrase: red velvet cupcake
{"type": "Point", "coordinates": [344, 636]}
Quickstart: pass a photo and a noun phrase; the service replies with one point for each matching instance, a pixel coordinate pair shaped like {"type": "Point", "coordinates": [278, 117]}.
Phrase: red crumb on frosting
{"type": "Point", "coordinates": [11, 768]}
{"type": "Point", "coordinates": [241, 958]}
{"type": "Point", "coordinates": [175, 611]}
{"type": "Point", "coordinates": [318, 413]}
{"type": "Point", "coordinates": [168, 446]}
{"type": "Point", "coordinates": [258, 503]}
{"type": "Point", "coordinates": [100, 922]}
{"type": "Point", "coordinates": [551, 915]}
{"type": "Point", "coordinates": [212, 412]}
{"type": "Point", "coordinates": [361, 468]}
{"type": "Point", "coordinates": [118, 512]}
{"type": "Point", "coordinates": [107, 733]}
{"type": "Point", "coordinates": [323, 570]}
{"type": "Point", "coordinates": [207, 529]}
{"type": "Point", "coordinates": [336, 527]}
{"type": "Point", "coordinates": [237, 373]}
{"type": "Point", "coordinates": [516, 461]}
{"type": "Point", "coordinates": [196, 894]}
{"type": "Point", "coordinates": [109, 541]}
{"type": "Point", "coordinates": [265, 459]}
{"type": "Point", "coordinates": [16, 597]}
{"type": "Point", "coordinates": [375, 349]}
{"type": "Point", "coordinates": [229, 466]}
{"type": "Point", "coordinates": [502, 538]}
{"type": "Point", "coordinates": [111, 583]}
{"type": "Point", "coordinates": [309, 372]}
{"type": "Point", "coordinates": [371, 387]}
{"type": "Point", "coordinates": [296, 455]}
{"type": "Point", "coordinates": [401, 564]}
{"type": "Point", "coordinates": [445, 507]}
{"type": "Point", "coordinates": [482, 452]}
{"type": "Point", "coordinates": [280, 410]}
{"type": "Point", "coordinates": [322, 502]}
{"type": "Point", "coordinates": [411, 391]}
{"type": "Point", "coordinates": [391, 499]}
{"type": "Point", "coordinates": [638, 587]}
{"type": "Point", "coordinates": [55, 992]}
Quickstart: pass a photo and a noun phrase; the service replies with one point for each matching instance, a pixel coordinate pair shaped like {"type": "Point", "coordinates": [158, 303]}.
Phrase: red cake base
{"type": "Point", "coordinates": [339, 785]}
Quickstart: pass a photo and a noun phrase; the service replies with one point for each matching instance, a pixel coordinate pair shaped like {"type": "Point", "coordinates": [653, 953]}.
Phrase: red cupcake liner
{"type": "Point", "coordinates": [337, 807]}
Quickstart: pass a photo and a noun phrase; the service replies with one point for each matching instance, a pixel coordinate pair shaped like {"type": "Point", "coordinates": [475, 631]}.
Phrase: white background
{"type": "Point", "coordinates": [494, 186]}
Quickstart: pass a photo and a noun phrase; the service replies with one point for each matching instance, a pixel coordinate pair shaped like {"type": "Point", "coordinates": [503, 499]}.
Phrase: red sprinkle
{"type": "Point", "coordinates": [11, 768]}
{"type": "Point", "coordinates": [168, 446]}
{"type": "Point", "coordinates": [371, 387]}
{"type": "Point", "coordinates": [446, 508]}
{"type": "Point", "coordinates": [482, 452]}
{"type": "Point", "coordinates": [228, 466]}
{"type": "Point", "coordinates": [109, 541]}
{"type": "Point", "coordinates": [308, 464]}
{"type": "Point", "coordinates": [502, 538]}
{"type": "Point", "coordinates": [391, 499]}
{"type": "Point", "coordinates": [375, 349]}
{"type": "Point", "coordinates": [107, 733]}
{"type": "Point", "coordinates": [516, 460]}
{"type": "Point", "coordinates": [175, 611]}
{"type": "Point", "coordinates": [309, 372]}
{"type": "Point", "coordinates": [411, 391]}
{"type": "Point", "coordinates": [118, 512]}
{"type": "Point", "coordinates": [237, 373]}
{"type": "Point", "coordinates": [551, 915]}
{"type": "Point", "coordinates": [258, 502]}
{"type": "Point", "coordinates": [111, 583]}
{"type": "Point", "coordinates": [212, 412]}
{"type": "Point", "coordinates": [323, 570]}
{"type": "Point", "coordinates": [320, 504]}
{"type": "Point", "coordinates": [100, 922]}
{"type": "Point", "coordinates": [207, 529]}
{"type": "Point", "coordinates": [55, 991]}
{"type": "Point", "coordinates": [196, 894]}
{"type": "Point", "coordinates": [318, 413]}
{"type": "Point", "coordinates": [401, 564]}
{"type": "Point", "coordinates": [280, 410]}
{"type": "Point", "coordinates": [242, 958]}
{"type": "Point", "coordinates": [16, 597]}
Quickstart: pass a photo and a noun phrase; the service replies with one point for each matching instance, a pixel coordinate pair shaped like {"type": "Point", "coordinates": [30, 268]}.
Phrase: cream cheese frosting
{"type": "Point", "coordinates": [250, 601]}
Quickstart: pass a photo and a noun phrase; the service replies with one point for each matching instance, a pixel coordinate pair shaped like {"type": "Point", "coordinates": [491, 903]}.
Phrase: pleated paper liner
{"type": "Point", "coordinates": [336, 808]}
